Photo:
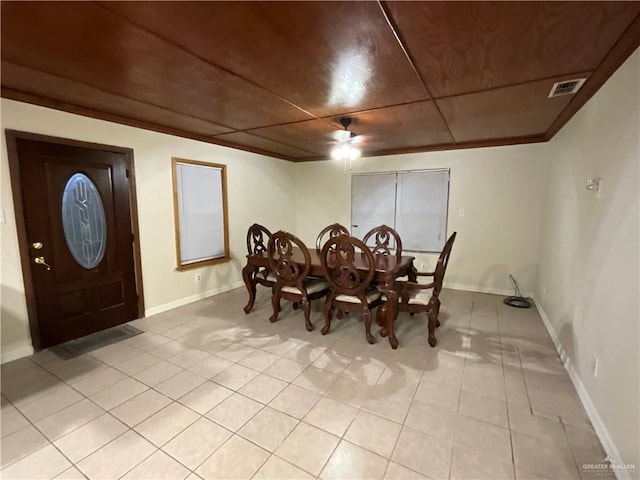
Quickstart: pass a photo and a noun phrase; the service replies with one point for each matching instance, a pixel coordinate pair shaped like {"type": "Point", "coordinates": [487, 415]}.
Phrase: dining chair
{"type": "Point", "coordinates": [333, 230]}
{"type": "Point", "coordinates": [382, 236]}
{"type": "Point", "coordinates": [257, 241]}
{"type": "Point", "coordinates": [291, 275]}
{"type": "Point", "coordinates": [349, 268]}
{"type": "Point", "coordinates": [418, 298]}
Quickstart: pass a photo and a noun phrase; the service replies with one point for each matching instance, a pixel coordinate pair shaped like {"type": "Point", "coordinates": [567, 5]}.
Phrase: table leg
{"type": "Point", "coordinates": [247, 276]}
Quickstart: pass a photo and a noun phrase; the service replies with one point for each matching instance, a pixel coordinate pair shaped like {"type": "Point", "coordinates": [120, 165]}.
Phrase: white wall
{"type": "Point", "coordinates": [499, 188]}
{"type": "Point", "coordinates": [589, 254]}
{"type": "Point", "coordinates": [259, 190]}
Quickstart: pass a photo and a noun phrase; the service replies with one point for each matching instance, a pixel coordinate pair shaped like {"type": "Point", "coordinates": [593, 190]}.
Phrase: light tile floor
{"type": "Point", "coordinates": [208, 392]}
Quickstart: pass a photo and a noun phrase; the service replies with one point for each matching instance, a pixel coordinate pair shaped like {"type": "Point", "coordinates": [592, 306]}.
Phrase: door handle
{"type": "Point", "coordinates": [37, 245]}
{"type": "Point", "coordinates": [40, 261]}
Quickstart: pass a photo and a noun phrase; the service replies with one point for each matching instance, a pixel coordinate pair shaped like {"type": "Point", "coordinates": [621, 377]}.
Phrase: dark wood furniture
{"type": "Point", "coordinates": [257, 241]}
{"type": "Point", "coordinates": [292, 282]}
{"type": "Point", "coordinates": [382, 236]}
{"type": "Point", "coordinates": [332, 230]}
{"type": "Point", "coordinates": [387, 269]}
{"type": "Point", "coordinates": [418, 298]}
{"type": "Point", "coordinates": [350, 285]}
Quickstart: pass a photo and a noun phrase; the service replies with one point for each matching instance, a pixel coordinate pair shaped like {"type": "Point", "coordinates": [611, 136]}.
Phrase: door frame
{"type": "Point", "coordinates": [12, 137]}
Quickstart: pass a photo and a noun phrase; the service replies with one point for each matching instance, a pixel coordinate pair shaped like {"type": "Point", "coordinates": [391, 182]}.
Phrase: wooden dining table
{"type": "Point", "coordinates": [387, 269]}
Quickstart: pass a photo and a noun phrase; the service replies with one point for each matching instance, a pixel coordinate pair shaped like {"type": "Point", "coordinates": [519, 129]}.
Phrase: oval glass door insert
{"type": "Point", "coordinates": [83, 221]}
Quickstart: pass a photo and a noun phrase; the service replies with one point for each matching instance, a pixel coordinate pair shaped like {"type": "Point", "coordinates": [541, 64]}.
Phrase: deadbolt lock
{"type": "Point", "coordinates": [37, 245]}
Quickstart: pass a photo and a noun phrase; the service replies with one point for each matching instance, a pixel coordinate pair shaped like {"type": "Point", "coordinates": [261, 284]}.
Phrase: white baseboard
{"type": "Point", "coordinates": [193, 298]}
{"type": "Point", "coordinates": [475, 288]}
{"type": "Point", "coordinates": [596, 420]}
{"type": "Point", "coordinates": [16, 353]}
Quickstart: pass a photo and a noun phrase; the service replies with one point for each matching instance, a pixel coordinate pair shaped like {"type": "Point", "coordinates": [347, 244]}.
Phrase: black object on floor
{"type": "Point", "coordinates": [517, 300]}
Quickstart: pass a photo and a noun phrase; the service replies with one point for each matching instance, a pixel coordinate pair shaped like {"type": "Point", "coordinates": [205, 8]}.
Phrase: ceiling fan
{"type": "Point", "coordinates": [346, 147]}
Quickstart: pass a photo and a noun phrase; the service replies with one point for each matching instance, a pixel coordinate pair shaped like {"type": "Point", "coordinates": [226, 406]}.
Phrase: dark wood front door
{"type": "Point", "coordinates": [79, 239]}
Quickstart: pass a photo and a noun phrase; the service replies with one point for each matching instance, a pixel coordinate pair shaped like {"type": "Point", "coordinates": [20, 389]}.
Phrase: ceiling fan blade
{"type": "Point", "coordinates": [341, 135]}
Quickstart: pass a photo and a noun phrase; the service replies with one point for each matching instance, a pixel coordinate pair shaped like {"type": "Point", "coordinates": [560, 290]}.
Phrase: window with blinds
{"type": "Point", "coordinates": [414, 203]}
{"type": "Point", "coordinates": [200, 206]}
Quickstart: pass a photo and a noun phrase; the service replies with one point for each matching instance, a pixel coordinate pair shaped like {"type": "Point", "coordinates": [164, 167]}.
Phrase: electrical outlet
{"type": "Point", "coordinates": [461, 212]}
{"type": "Point", "coordinates": [198, 278]}
{"type": "Point", "coordinates": [595, 367]}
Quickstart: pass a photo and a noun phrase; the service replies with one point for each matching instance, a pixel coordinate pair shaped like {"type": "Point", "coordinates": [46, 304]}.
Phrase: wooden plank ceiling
{"type": "Point", "coordinates": [275, 77]}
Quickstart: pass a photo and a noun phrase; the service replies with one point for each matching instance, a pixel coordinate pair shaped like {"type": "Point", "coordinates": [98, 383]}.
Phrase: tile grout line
{"type": "Point", "coordinates": [132, 428]}
{"type": "Point", "coordinates": [464, 366]}
{"type": "Point", "coordinates": [241, 394]}
{"type": "Point", "coordinates": [322, 395]}
{"type": "Point", "coordinates": [359, 409]}
{"type": "Point", "coordinates": [573, 456]}
{"type": "Point", "coordinates": [107, 412]}
{"type": "Point", "coordinates": [513, 453]}
{"type": "Point", "coordinates": [129, 428]}
{"type": "Point", "coordinates": [53, 413]}
{"type": "Point", "coordinates": [45, 446]}
{"type": "Point", "coordinates": [261, 409]}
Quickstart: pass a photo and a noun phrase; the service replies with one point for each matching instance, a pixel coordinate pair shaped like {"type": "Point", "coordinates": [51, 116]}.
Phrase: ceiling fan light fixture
{"type": "Point", "coordinates": [345, 151]}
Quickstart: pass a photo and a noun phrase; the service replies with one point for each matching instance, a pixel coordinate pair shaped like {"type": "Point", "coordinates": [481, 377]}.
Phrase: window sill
{"type": "Point", "coordinates": [204, 263]}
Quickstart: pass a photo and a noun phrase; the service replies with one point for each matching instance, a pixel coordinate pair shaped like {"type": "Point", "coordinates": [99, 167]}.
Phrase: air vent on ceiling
{"type": "Point", "coordinates": [567, 87]}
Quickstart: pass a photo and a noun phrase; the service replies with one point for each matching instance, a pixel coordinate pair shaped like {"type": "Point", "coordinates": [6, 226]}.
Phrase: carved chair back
{"type": "Point", "coordinates": [280, 251]}
{"type": "Point", "coordinates": [382, 236]}
{"type": "Point", "coordinates": [443, 262]}
{"type": "Point", "coordinates": [257, 239]}
{"type": "Point", "coordinates": [339, 256]}
{"type": "Point", "coordinates": [333, 230]}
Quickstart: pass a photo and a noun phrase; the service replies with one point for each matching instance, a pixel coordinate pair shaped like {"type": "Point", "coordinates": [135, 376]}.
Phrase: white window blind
{"type": "Point", "coordinates": [200, 212]}
{"type": "Point", "coordinates": [368, 211]}
{"type": "Point", "coordinates": [414, 203]}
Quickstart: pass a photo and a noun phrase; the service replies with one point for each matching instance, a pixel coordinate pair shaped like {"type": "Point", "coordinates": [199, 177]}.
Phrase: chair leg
{"type": "Point", "coordinates": [367, 326]}
{"type": "Point", "coordinates": [328, 307]}
{"type": "Point", "coordinates": [382, 311]}
{"type": "Point", "coordinates": [248, 277]}
{"type": "Point", "coordinates": [339, 314]}
{"type": "Point", "coordinates": [306, 306]}
{"type": "Point", "coordinates": [380, 316]}
{"type": "Point", "coordinates": [273, 290]}
{"type": "Point", "coordinates": [275, 302]}
{"type": "Point", "coordinates": [431, 326]}
{"type": "Point", "coordinates": [296, 305]}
